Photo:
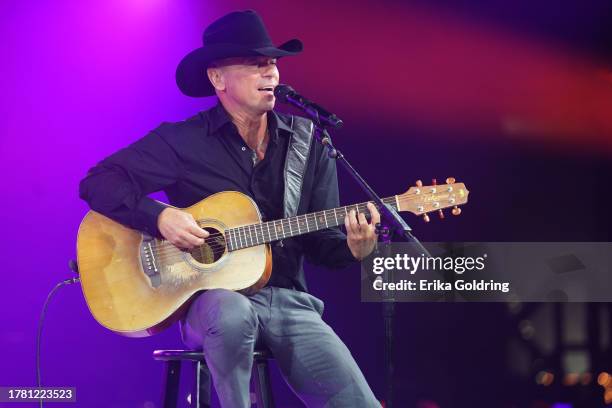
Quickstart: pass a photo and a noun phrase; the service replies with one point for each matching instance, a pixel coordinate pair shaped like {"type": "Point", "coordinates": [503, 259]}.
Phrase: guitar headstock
{"type": "Point", "coordinates": [421, 199]}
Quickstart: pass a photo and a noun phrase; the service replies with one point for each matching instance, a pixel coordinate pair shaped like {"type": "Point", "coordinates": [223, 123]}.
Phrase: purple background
{"type": "Point", "coordinates": [513, 99]}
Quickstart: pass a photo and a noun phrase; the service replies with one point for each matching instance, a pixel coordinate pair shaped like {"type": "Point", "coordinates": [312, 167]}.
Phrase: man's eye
{"type": "Point", "coordinates": [266, 63]}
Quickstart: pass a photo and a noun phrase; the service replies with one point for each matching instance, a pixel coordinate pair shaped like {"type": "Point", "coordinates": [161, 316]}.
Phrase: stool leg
{"type": "Point", "coordinates": [202, 385]}
{"type": "Point", "coordinates": [263, 389]}
{"type": "Point", "coordinates": [171, 387]}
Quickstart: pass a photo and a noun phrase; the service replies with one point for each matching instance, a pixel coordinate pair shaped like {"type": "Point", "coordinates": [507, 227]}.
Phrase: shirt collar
{"type": "Point", "coordinates": [219, 117]}
{"type": "Point", "coordinates": [279, 123]}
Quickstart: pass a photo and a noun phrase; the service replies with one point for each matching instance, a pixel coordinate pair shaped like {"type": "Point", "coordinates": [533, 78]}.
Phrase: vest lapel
{"type": "Point", "coordinates": [295, 163]}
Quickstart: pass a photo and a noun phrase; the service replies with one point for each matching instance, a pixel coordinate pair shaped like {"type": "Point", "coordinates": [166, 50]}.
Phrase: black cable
{"type": "Point", "coordinates": [42, 319]}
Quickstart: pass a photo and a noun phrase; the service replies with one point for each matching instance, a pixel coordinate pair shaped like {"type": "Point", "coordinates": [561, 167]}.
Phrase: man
{"type": "Point", "coordinates": [243, 145]}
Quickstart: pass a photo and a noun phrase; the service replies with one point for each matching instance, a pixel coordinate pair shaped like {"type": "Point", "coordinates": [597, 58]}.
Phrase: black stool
{"type": "Point", "coordinates": [173, 359]}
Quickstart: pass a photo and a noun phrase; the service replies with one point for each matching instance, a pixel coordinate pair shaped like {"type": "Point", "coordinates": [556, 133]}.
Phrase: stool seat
{"type": "Point", "coordinates": [195, 355]}
{"type": "Point", "coordinates": [174, 358]}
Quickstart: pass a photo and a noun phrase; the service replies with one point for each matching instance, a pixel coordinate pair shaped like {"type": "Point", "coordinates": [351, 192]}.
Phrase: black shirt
{"type": "Point", "coordinates": [205, 154]}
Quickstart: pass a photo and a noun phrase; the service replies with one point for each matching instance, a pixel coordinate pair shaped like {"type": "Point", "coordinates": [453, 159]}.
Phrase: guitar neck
{"type": "Point", "coordinates": [265, 232]}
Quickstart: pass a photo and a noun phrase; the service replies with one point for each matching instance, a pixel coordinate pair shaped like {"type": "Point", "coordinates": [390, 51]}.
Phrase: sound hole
{"type": "Point", "coordinates": [213, 248]}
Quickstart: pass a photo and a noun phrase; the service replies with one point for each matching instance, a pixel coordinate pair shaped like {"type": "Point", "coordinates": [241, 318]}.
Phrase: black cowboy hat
{"type": "Point", "coordinates": [237, 34]}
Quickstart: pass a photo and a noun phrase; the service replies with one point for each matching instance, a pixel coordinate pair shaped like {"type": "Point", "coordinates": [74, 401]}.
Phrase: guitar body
{"type": "Point", "coordinates": [137, 286]}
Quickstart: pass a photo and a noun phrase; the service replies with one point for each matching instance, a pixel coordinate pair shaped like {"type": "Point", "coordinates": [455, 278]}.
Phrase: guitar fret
{"type": "Point", "coordinates": [249, 235]}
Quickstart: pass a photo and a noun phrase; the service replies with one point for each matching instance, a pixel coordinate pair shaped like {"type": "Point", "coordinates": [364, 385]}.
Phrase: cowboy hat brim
{"type": "Point", "coordinates": [191, 75]}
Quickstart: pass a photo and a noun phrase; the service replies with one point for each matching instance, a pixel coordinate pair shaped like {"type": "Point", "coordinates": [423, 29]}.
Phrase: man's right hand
{"type": "Point", "coordinates": [180, 228]}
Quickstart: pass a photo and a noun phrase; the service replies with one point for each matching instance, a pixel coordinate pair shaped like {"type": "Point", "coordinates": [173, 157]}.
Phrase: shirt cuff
{"type": "Point", "coordinates": [148, 211]}
{"type": "Point", "coordinates": [347, 255]}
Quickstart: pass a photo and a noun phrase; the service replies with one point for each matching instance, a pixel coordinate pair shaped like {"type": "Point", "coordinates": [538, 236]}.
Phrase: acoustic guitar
{"type": "Point", "coordinates": [137, 285]}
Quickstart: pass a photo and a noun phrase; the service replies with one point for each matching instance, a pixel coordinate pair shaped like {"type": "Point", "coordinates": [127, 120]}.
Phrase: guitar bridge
{"type": "Point", "coordinates": [148, 260]}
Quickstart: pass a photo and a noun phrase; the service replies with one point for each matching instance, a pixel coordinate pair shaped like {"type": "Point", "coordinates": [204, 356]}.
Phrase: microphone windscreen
{"type": "Point", "coordinates": [282, 91]}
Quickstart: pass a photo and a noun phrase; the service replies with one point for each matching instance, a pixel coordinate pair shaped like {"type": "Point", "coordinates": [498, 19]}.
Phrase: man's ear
{"type": "Point", "coordinates": [216, 78]}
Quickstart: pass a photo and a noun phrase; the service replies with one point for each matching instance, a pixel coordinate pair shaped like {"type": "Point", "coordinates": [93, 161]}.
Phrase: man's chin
{"type": "Point", "coordinates": [267, 106]}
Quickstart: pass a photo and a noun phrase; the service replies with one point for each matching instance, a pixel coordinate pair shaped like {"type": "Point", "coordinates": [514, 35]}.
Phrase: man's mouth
{"type": "Point", "coordinates": [266, 89]}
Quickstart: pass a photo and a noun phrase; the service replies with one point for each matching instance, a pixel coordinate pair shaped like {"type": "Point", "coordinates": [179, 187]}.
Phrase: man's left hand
{"type": "Point", "coordinates": [361, 236]}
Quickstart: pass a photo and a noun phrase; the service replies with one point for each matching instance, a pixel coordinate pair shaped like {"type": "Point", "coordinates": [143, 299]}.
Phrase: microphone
{"type": "Point", "coordinates": [287, 94]}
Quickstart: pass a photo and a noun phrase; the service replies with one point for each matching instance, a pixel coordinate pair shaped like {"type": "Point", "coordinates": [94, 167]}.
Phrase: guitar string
{"type": "Point", "coordinates": [250, 231]}
{"type": "Point", "coordinates": [290, 221]}
{"type": "Point", "coordinates": [170, 249]}
{"type": "Point", "coordinates": [294, 220]}
{"type": "Point", "coordinates": [171, 252]}
{"type": "Point", "coordinates": [252, 234]}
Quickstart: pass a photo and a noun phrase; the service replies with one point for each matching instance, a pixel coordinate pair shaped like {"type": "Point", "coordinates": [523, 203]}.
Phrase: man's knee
{"type": "Point", "coordinates": [226, 313]}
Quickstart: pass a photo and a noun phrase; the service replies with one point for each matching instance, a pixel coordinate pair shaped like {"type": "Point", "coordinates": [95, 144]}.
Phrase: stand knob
{"type": "Point", "coordinates": [425, 217]}
{"type": "Point", "coordinates": [450, 180]}
{"type": "Point", "coordinates": [434, 182]}
{"type": "Point", "coordinates": [419, 183]}
{"type": "Point", "coordinates": [441, 214]}
{"type": "Point", "coordinates": [456, 210]}
{"type": "Point", "coordinates": [381, 230]}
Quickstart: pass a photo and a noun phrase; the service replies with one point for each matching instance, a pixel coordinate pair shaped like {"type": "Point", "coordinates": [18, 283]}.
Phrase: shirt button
{"type": "Point", "coordinates": [243, 148]}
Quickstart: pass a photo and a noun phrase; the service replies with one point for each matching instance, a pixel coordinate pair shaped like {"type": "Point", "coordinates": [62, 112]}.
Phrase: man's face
{"type": "Point", "coordinates": [248, 82]}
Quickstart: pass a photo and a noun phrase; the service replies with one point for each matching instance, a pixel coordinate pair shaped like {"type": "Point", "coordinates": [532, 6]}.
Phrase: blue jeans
{"type": "Point", "coordinates": [314, 361]}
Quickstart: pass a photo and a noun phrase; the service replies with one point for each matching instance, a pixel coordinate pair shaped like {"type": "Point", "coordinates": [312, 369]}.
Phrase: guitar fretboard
{"type": "Point", "coordinates": [265, 232]}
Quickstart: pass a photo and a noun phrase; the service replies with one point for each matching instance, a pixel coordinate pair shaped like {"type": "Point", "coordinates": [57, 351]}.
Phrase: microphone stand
{"type": "Point", "coordinates": [391, 224]}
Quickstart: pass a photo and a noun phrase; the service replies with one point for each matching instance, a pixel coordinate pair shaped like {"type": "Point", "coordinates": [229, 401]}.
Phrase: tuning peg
{"type": "Point", "coordinates": [456, 210]}
{"type": "Point", "coordinates": [419, 183]}
{"type": "Point", "coordinates": [425, 217]}
{"type": "Point", "coordinates": [434, 182]}
{"type": "Point", "coordinates": [441, 214]}
{"type": "Point", "coordinates": [450, 180]}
